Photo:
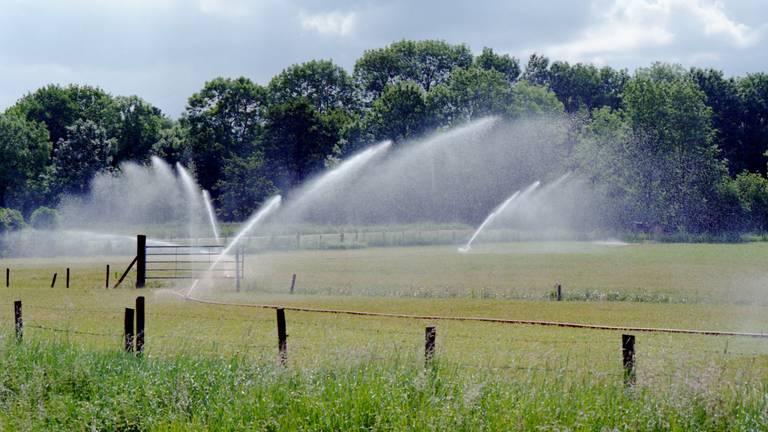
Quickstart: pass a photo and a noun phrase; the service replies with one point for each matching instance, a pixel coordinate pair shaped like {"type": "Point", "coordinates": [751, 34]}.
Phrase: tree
{"type": "Point", "coordinates": [60, 107]}
{"type": "Point", "coordinates": [537, 70]}
{"type": "Point", "coordinates": [399, 114]}
{"type": "Point", "coordinates": [24, 154]}
{"type": "Point", "coordinates": [87, 152]}
{"type": "Point", "coordinates": [586, 87]}
{"type": "Point", "coordinates": [753, 90]}
{"type": "Point", "coordinates": [296, 141]}
{"type": "Point", "coordinates": [325, 85]}
{"type": "Point", "coordinates": [224, 119]}
{"type": "Point", "coordinates": [508, 66]}
{"type": "Point", "coordinates": [139, 128]}
{"type": "Point", "coordinates": [427, 63]}
{"type": "Point", "coordinates": [173, 144]}
{"type": "Point", "coordinates": [44, 218]}
{"type": "Point", "coordinates": [469, 94]}
{"type": "Point", "coordinates": [243, 187]}
{"type": "Point", "coordinates": [657, 155]}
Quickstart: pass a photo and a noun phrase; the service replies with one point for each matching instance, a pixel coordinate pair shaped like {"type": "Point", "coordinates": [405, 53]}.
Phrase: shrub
{"type": "Point", "coordinates": [10, 220]}
{"type": "Point", "coordinates": [44, 218]}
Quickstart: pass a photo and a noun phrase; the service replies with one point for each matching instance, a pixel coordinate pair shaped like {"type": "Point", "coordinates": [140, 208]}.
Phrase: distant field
{"type": "Point", "coordinates": [703, 286]}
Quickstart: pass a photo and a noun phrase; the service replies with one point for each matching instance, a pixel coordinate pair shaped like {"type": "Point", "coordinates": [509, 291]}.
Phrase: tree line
{"type": "Point", "coordinates": [672, 148]}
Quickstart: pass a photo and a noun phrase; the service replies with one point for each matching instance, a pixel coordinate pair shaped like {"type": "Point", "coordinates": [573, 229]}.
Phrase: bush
{"type": "Point", "coordinates": [44, 218]}
{"type": "Point", "coordinates": [10, 220]}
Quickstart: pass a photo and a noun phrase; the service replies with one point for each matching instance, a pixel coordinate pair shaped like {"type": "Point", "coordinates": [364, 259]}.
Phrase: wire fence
{"type": "Point", "coordinates": [670, 355]}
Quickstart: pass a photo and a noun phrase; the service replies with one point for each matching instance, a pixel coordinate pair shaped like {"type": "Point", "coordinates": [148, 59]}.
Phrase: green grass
{"type": "Point", "coordinates": [213, 367]}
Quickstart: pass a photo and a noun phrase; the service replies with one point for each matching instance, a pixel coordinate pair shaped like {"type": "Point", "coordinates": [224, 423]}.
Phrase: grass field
{"type": "Point", "coordinates": [346, 372]}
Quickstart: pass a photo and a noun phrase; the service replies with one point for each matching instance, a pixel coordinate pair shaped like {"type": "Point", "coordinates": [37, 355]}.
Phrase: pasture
{"type": "Point", "coordinates": [684, 286]}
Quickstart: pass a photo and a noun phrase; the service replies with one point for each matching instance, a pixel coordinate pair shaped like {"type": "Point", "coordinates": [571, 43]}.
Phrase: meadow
{"type": "Point", "coordinates": [215, 367]}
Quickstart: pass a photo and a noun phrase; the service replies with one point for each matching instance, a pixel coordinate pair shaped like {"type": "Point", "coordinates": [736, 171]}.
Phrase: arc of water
{"type": "Point", "coordinates": [259, 216]}
{"type": "Point", "coordinates": [498, 210]}
{"type": "Point", "coordinates": [305, 196]}
{"type": "Point", "coordinates": [211, 216]}
{"type": "Point", "coordinates": [193, 196]}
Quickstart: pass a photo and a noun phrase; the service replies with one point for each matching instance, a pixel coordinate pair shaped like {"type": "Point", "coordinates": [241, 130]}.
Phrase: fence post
{"type": "Point", "coordinates": [139, 325]}
{"type": "Point", "coordinates": [558, 292]}
{"type": "Point", "coordinates": [141, 261]}
{"type": "Point", "coordinates": [106, 279]}
{"type": "Point", "coordinates": [429, 344]}
{"type": "Point", "coordinates": [237, 269]}
{"type": "Point", "coordinates": [128, 330]}
{"type": "Point", "coordinates": [7, 277]}
{"type": "Point", "coordinates": [53, 281]}
{"type": "Point", "coordinates": [67, 277]}
{"type": "Point", "coordinates": [282, 338]}
{"type": "Point", "coordinates": [628, 358]}
{"type": "Point", "coordinates": [293, 282]}
{"type": "Point", "coordinates": [19, 322]}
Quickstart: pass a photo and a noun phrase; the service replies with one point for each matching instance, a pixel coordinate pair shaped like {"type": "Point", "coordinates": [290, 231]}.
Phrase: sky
{"type": "Point", "coordinates": [165, 50]}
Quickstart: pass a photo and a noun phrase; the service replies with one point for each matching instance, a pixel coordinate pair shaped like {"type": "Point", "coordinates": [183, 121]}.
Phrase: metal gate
{"type": "Point", "coordinates": [169, 262]}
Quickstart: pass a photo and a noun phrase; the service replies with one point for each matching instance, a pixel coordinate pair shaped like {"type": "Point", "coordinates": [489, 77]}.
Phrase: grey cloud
{"type": "Point", "coordinates": [165, 50]}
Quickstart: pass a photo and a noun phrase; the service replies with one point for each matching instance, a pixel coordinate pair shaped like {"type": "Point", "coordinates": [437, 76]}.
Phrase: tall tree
{"type": "Point", "coordinates": [489, 60]}
{"type": "Point", "coordinates": [224, 119]}
{"type": "Point", "coordinates": [537, 70]}
{"type": "Point", "coordinates": [297, 140]}
{"type": "Point", "coordinates": [24, 154]}
{"type": "Point", "coordinates": [60, 107]}
{"type": "Point", "coordinates": [139, 128]}
{"type": "Point", "coordinates": [400, 113]}
{"type": "Point", "coordinates": [86, 152]}
{"type": "Point", "coordinates": [753, 90]}
{"type": "Point", "coordinates": [325, 85]}
{"type": "Point", "coordinates": [427, 63]}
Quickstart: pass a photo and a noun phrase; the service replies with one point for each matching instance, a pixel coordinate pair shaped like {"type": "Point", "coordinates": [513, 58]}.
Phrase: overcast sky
{"type": "Point", "coordinates": [164, 50]}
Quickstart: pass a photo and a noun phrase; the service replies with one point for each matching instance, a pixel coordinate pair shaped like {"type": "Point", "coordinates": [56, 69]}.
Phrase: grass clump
{"type": "Point", "coordinates": [53, 385]}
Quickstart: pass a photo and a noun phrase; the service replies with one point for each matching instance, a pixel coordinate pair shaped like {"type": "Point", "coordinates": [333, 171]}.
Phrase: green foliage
{"type": "Point", "coordinates": [537, 70]}
{"type": "Point", "coordinates": [325, 85]}
{"type": "Point", "coordinates": [399, 114]}
{"type": "Point", "coordinates": [44, 218]}
{"type": "Point", "coordinates": [139, 129]}
{"type": "Point", "coordinates": [753, 90]}
{"type": "Point", "coordinates": [24, 153]}
{"type": "Point", "coordinates": [752, 192]}
{"type": "Point", "coordinates": [427, 63]}
{"type": "Point", "coordinates": [223, 119]}
{"type": "Point", "coordinates": [173, 145]}
{"type": "Point", "coordinates": [10, 220]}
{"type": "Point", "coordinates": [59, 107]}
{"type": "Point", "coordinates": [655, 158]}
{"type": "Point", "coordinates": [297, 139]}
{"type": "Point", "coordinates": [470, 94]}
{"type": "Point", "coordinates": [503, 63]}
{"type": "Point", "coordinates": [86, 152]}
{"type": "Point", "coordinates": [244, 187]}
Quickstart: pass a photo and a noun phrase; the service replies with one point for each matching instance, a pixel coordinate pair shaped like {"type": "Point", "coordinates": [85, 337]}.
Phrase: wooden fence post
{"type": "Point", "coordinates": [106, 278]}
{"type": "Point", "coordinates": [67, 277]}
{"type": "Point", "coordinates": [19, 322]}
{"type": "Point", "coordinates": [53, 281]}
{"type": "Point", "coordinates": [293, 282]}
{"type": "Point", "coordinates": [558, 292]}
{"type": "Point", "coordinates": [128, 330]}
{"type": "Point", "coordinates": [628, 358]}
{"type": "Point", "coordinates": [429, 344]}
{"type": "Point", "coordinates": [141, 261]}
{"type": "Point", "coordinates": [7, 277]}
{"type": "Point", "coordinates": [282, 338]}
{"type": "Point", "coordinates": [139, 325]}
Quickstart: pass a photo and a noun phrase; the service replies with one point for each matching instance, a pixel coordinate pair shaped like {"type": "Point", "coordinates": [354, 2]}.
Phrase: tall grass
{"type": "Point", "coordinates": [56, 386]}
